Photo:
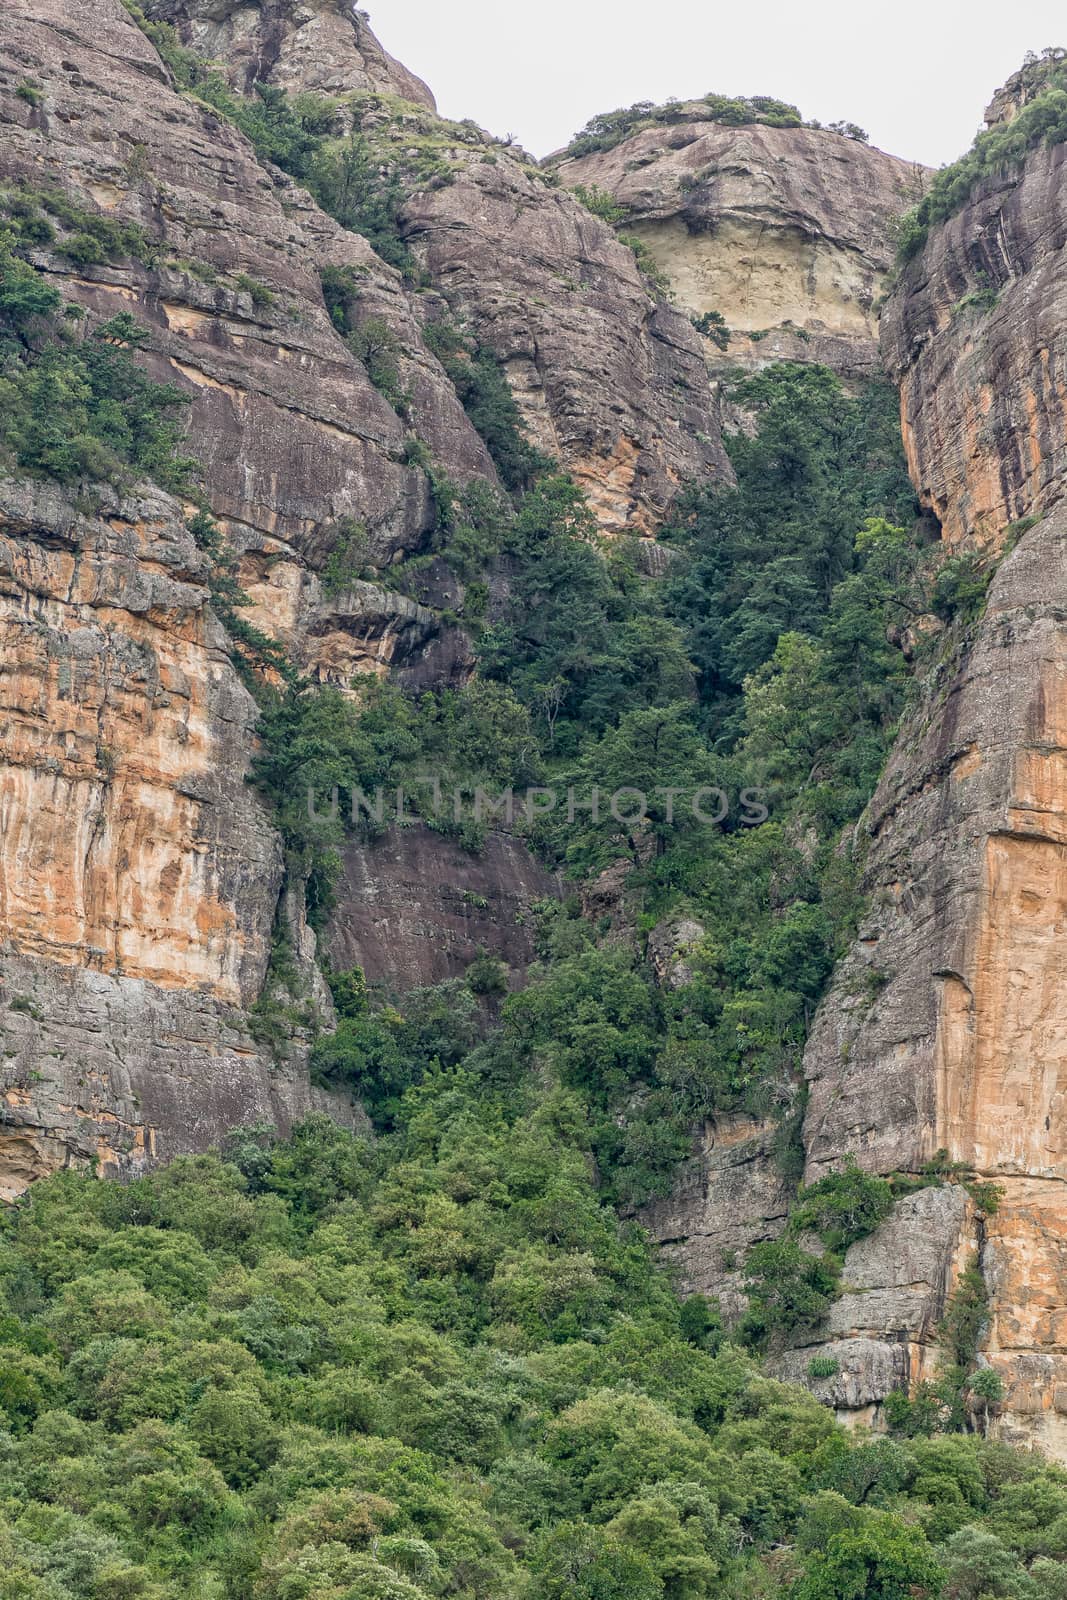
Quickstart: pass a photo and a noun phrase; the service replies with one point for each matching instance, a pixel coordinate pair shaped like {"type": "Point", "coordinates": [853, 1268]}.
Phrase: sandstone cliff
{"type": "Point", "coordinates": [323, 47]}
{"type": "Point", "coordinates": [965, 1047]}
{"type": "Point", "coordinates": [610, 379]}
{"type": "Point", "coordinates": [140, 877]}
{"type": "Point", "coordinates": [975, 337]}
{"type": "Point", "coordinates": [142, 883]}
{"type": "Point", "coordinates": [787, 233]}
{"type": "Point", "coordinates": [946, 1029]}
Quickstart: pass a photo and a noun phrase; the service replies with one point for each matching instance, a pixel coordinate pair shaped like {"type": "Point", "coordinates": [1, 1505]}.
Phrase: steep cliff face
{"type": "Point", "coordinates": [965, 1047]}
{"type": "Point", "coordinates": [291, 433]}
{"type": "Point", "coordinates": [140, 877]}
{"type": "Point", "coordinates": [787, 233]}
{"type": "Point", "coordinates": [417, 909]}
{"type": "Point", "coordinates": [976, 339]}
{"type": "Point", "coordinates": [946, 1027]}
{"type": "Point", "coordinates": [610, 379]}
{"type": "Point", "coordinates": [324, 47]}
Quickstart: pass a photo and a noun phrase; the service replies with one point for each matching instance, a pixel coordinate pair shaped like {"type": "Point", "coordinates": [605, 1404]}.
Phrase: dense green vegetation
{"type": "Point", "coordinates": [437, 1365]}
{"type": "Point", "coordinates": [611, 128]}
{"type": "Point", "coordinates": [767, 661]}
{"type": "Point", "coordinates": [76, 405]}
{"type": "Point", "coordinates": [997, 150]}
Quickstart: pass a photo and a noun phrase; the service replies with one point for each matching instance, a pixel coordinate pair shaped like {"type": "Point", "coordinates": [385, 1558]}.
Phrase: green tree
{"type": "Point", "coordinates": [883, 1559]}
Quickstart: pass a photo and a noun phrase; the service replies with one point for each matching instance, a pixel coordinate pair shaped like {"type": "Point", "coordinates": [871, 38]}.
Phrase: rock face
{"type": "Point", "coordinates": [729, 1196]}
{"type": "Point", "coordinates": [324, 47]}
{"type": "Point", "coordinates": [964, 1046]}
{"type": "Point", "coordinates": [1022, 87]}
{"type": "Point", "coordinates": [786, 232]}
{"type": "Point", "coordinates": [946, 1027]}
{"type": "Point", "coordinates": [976, 338]}
{"type": "Point", "coordinates": [416, 908]}
{"type": "Point", "coordinates": [292, 435]}
{"type": "Point", "coordinates": [880, 1330]}
{"type": "Point", "coordinates": [610, 379]}
{"type": "Point", "coordinates": [139, 876]}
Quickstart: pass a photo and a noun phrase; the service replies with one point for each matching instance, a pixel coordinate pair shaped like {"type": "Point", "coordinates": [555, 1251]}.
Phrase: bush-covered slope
{"type": "Point", "coordinates": [325, 1370]}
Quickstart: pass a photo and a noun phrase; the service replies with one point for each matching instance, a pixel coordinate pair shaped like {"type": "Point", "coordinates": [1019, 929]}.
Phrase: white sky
{"type": "Point", "coordinates": [916, 74]}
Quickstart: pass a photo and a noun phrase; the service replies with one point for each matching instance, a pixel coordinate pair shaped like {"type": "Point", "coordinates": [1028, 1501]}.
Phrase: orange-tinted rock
{"type": "Point", "coordinates": [976, 335]}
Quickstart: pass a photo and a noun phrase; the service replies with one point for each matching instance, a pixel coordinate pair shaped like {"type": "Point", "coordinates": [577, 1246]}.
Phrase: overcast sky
{"type": "Point", "coordinates": [916, 74]}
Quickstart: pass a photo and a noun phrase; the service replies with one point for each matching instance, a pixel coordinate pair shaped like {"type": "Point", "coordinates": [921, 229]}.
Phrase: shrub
{"type": "Point", "coordinates": [257, 292]}
{"type": "Point", "coordinates": [997, 151]}
{"type": "Point", "coordinates": [823, 1367]}
{"type": "Point", "coordinates": [489, 403]}
{"type": "Point", "coordinates": [601, 204]}
{"type": "Point", "coordinates": [960, 587]}
{"type": "Point", "coordinates": [80, 408]}
{"type": "Point", "coordinates": [843, 1207]}
{"type": "Point", "coordinates": [348, 556]}
{"type": "Point", "coordinates": [611, 128]}
{"type": "Point", "coordinates": [788, 1289]}
{"type": "Point", "coordinates": [486, 974]}
{"type": "Point", "coordinates": [712, 324]}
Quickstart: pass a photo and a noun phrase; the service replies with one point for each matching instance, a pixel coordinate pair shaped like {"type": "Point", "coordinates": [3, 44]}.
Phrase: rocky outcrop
{"type": "Point", "coordinates": [730, 1195]}
{"type": "Point", "coordinates": [977, 338]}
{"type": "Point", "coordinates": [946, 1026]}
{"type": "Point", "coordinates": [292, 435]}
{"type": "Point", "coordinates": [323, 47]}
{"type": "Point", "coordinates": [415, 907]}
{"type": "Point", "coordinates": [961, 1042]}
{"type": "Point", "coordinates": [610, 379]}
{"type": "Point", "coordinates": [881, 1332]}
{"type": "Point", "coordinates": [1022, 86]}
{"type": "Point", "coordinates": [787, 233]}
{"type": "Point", "coordinates": [139, 876]}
